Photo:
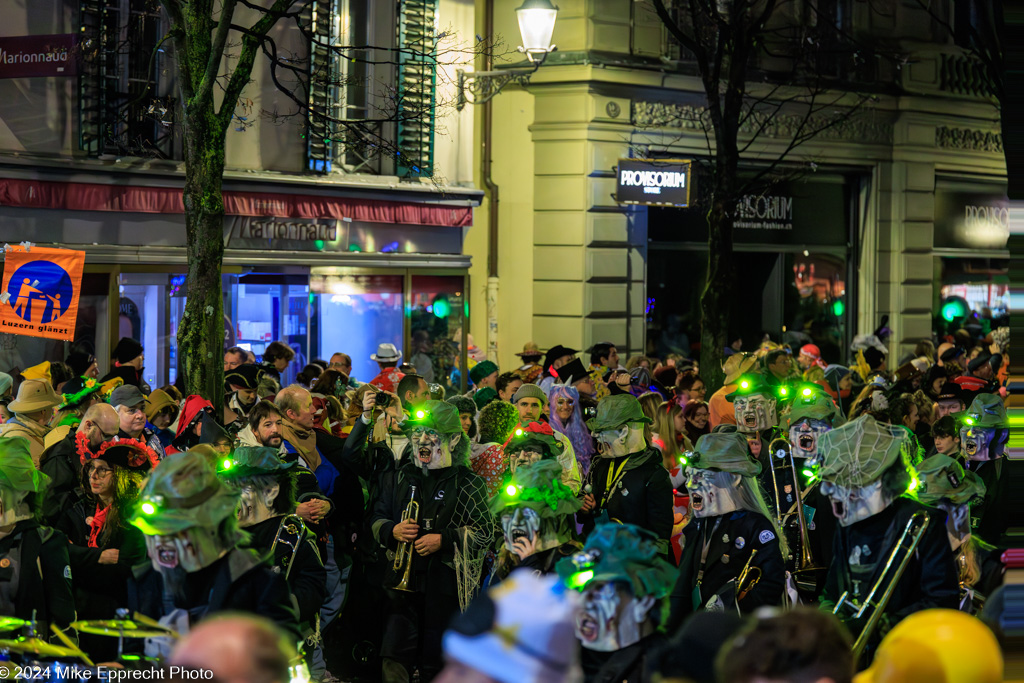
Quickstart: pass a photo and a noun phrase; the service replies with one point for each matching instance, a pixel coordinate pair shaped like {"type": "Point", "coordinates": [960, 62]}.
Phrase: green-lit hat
{"type": "Point", "coordinates": [724, 451]}
{"type": "Point", "coordinates": [987, 411]}
{"type": "Point", "coordinates": [814, 406]}
{"type": "Point", "coordinates": [536, 436]}
{"type": "Point", "coordinates": [620, 552]}
{"type": "Point", "coordinates": [942, 477]}
{"type": "Point", "coordinates": [440, 416]}
{"type": "Point", "coordinates": [749, 385]}
{"type": "Point", "coordinates": [539, 487]}
{"type": "Point", "coordinates": [77, 389]}
{"type": "Point", "coordinates": [857, 453]}
{"type": "Point", "coordinates": [252, 461]}
{"type": "Point", "coordinates": [17, 471]}
{"type": "Point", "coordinates": [183, 492]}
{"type": "Point", "coordinates": [482, 397]}
{"type": "Point", "coordinates": [616, 411]}
{"type": "Point", "coordinates": [481, 370]}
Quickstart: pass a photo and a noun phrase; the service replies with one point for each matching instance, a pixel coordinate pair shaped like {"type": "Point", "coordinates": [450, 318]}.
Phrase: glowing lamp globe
{"type": "Point", "coordinates": [536, 25]}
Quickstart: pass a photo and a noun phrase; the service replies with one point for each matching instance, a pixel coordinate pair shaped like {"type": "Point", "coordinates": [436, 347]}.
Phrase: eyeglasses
{"type": "Point", "coordinates": [99, 472]}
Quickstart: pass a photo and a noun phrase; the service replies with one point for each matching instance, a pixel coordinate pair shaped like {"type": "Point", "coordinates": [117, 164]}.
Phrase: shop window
{"type": "Point", "coordinates": [355, 314]}
{"type": "Point", "coordinates": [438, 314]}
{"type": "Point", "coordinates": [143, 316]}
{"type": "Point", "coordinates": [814, 303]}
{"type": "Point", "coordinates": [982, 283]}
{"type": "Point", "coordinates": [263, 308]}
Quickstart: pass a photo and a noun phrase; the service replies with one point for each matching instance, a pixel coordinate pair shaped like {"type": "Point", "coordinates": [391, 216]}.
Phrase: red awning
{"type": "Point", "coordinates": [43, 194]}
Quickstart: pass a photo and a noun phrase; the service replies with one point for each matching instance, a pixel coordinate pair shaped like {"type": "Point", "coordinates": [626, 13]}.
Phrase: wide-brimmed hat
{"type": "Point", "coordinates": [386, 353]}
{"type": "Point", "coordinates": [17, 471]}
{"type": "Point", "coordinates": [620, 553]}
{"type": "Point", "coordinates": [725, 452]}
{"type": "Point", "coordinates": [538, 486]}
{"type": "Point", "coordinates": [77, 389]}
{"type": "Point", "coordinates": [440, 416]}
{"type": "Point", "coordinates": [130, 454]}
{"type": "Point", "coordinates": [942, 477]}
{"type": "Point", "coordinates": [557, 351]}
{"type": "Point", "coordinates": [615, 411]}
{"type": "Point", "coordinates": [530, 350]}
{"type": "Point", "coordinates": [33, 395]}
{"type": "Point", "coordinates": [950, 391]}
{"type": "Point", "coordinates": [857, 453]}
{"type": "Point", "coordinates": [481, 370]}
{"type": "Point", "coordinates": [738, 364]}
{"type": "Point", "coordinates": [572, 372]}
{"type": "Point", "coordinates": [749, 385]}
{"type": "Point", "coordinates": [818, 406]}
{"type": "Point", "coordinates": [183, 492]}
{"type": "Point", "coordinates": [247, 376]}
{"type": "Point", "coordinates": [253, 461]}
{"type": "Point", "coordinates": [986, 411]}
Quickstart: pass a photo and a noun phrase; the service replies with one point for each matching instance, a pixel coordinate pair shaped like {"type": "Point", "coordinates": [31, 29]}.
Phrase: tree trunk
{"type": "Point", "coordinates": [201, 330]}
{"type": "Point", "coordinates": [716, 300]}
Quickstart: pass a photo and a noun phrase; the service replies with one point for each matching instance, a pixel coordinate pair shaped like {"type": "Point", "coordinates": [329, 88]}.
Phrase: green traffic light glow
{"type": "Point", "coordinates": [580, 579]}
{"type": "Point", "coordinates": [148, 508]}
{"type": "Point", "coordinates": [838, 308]}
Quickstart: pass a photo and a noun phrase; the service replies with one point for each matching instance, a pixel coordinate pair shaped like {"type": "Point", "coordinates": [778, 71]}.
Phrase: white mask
{"type": "Point", "coordinates": [712, 493]}
{"type": "Point", "coordinates": [256, 504]}
{"type": "Point", "coordinates": [754, 413]}
{"type": "Point", "coordinates": [191, 549]}
{"type": "Point", "coordinates": [851, 505]}
{"type": "Point", "coordinates": [431, 450]}
{"type": "Point", "coordinates": [804, 437]}
{"type": "Point", "coordinates": [611, 618]}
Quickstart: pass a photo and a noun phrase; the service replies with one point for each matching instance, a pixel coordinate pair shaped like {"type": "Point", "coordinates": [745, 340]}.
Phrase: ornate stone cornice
{"type": "Point", "coordinates": [947, 137]}
{"type": "Point", "coordinates": [863, 127]}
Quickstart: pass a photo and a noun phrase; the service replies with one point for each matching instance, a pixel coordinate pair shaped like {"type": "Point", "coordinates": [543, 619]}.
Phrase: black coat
{"type": "Point", "coordinates": [238, 582]}
{"type": "Point", "coordinates": [307, 578]}
{"type": "Point", "coordinates": [730, 544]}
{"type": "Point", "coordinates": [991, 517]}
{"type": "Point", "coordinates": [930, 579]}
{"type": "Point", "coordinates": [644, 497]}
{"type": "Point", "coordinates": [44, 579]}
{"type": "Point", "coordinates": [628, 665]}
{"type": "Point", "coordinates": [62, 464]}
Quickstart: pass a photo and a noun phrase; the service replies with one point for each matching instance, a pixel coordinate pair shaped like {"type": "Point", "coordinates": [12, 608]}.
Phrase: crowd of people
{"type": "Point", "coordinates": [573, 518]}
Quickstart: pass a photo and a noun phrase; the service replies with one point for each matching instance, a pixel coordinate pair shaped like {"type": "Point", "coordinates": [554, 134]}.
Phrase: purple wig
{"type": "Point", "coordinates": [576, 431]}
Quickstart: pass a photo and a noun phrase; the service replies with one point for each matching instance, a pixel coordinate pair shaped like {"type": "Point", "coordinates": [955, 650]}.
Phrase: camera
{"type": "Point", "coordinates": [383, 399]}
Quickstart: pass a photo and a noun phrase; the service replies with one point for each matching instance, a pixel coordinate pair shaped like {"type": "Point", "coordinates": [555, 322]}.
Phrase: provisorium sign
{"type": "Point", "coordinates": [652, 181]}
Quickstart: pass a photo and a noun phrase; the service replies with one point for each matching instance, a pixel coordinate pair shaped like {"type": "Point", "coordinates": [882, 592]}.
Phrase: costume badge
{"type": "Point", "coordinates": [740, 543]}
{"type": "Point", "coordinates": [766, 536]}
{"type": "Point", "coordinates": [5, 563]}
{"type": "Point", "coordinates": [625, 492]}
{"type": "Point", "coordinates": [67, 572]}
{"type": "Point", "coordinates": [725, 559]}
{"type": "Point", "coordinates": [725, 538]}
{"type": "Point", "coordinates": [439, 495]}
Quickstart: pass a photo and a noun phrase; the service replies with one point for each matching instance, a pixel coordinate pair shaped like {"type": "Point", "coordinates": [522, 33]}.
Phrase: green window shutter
{"type": "Point", "coordinates": [417, 86]}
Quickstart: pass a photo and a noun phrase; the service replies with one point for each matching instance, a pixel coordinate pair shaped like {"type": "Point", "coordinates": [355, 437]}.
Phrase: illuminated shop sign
{"type": "Point", "coordinates": [658, 182]}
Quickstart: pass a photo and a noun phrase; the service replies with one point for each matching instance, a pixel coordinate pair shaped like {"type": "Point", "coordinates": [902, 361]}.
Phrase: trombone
{"type": "Point", "coordinates": [916, 526]}
{"type": "Point", "coordinates": [804, 564]}
{"type": "Point", "coordinates": [403, 557]}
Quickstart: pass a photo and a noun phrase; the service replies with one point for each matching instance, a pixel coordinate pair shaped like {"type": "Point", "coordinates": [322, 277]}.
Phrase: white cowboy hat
{"type": "Point", "coordinates": [386, 353]}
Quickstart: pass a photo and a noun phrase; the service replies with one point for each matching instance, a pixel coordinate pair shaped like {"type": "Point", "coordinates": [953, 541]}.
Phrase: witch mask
{"type": "Point", "coordinates": [754, 413]}
{"type": "Point", "coordinates": [190, 549]}
{"type": "Point", "coordinates": [712, 493]}
{"type": "Point", "coordinates": [853, 504]}
{"type": "Point", "coordinates": [612, 618]}
{"type": "Point", "coordinates": [257, 500]}
{"type": "Point", "coordinates": [983, 443]}
{"type": "Point", "coordinates": [431, 449]}
{"type": "Point", "coordinates": [804, 436]}
{"type": "Point", "coordinates": [615, 443]}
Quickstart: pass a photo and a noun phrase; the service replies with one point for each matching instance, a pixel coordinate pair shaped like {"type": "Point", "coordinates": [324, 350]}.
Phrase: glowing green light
{"type": "Point", "coordinates": [354, 247]}
{"type": "Point", "coordinates": [838, 308]}
{"type": "Point", "coordinates": [807, 391]}
{"type": "Point", "coordinates": [420, 414]}
{"type": "Point", "coordinates": [580, 579]}
{"type": "Point", "coordinates": [148, 508]}
{"type": "Point", "coordinates": [809, 474]}
{"type": "Point", "coordinates": [914, 483]}
{"type": "Point", "coordinates": [319, 244]}
{"type": "Point", "coordinates": [968, 420]}
{"type": "Point", "coordinates": [227, 464]}
{"type": "Point", "coordinates": [953, 310]}
{"type": "Point", "coordinates": [783, 391]}
{"type": "Point", "coordinates": [519, 432]}
{"type": "Point", "coordinates": [682, 459]}
{"type": "Point", "coordinates": [442, 308]}
{"type": "Point", "coordinates": [511, 489]}
{"type": "Point", "coordinates": [744, 384]}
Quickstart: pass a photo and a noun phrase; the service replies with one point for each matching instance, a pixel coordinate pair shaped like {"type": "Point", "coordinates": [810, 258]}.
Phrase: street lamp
{"type": "Point", "coordinates": [536, 25]}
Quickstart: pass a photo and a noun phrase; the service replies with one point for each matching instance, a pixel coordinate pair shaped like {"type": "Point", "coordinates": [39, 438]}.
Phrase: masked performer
{"type": "Point", "coordinates": [754, 403]}
{"type": "Point", "coordinates": [197, 425]}
{"type": "Point", "coordinates": [432, 516]}
{"type": "Point", "coordinates": [946, 485]}
{"type": "Point", "coordinates": [35, 574]}
{"type": "Point", "coordinates": [266, 486]}
{"type": "Point", "coordinates": [536, 513]}
{"type": "Point", "coordinates": [625, 584]}
{"type": "Point", "coordinates": [983, 440]}
{"type": "Point", "coordinates": [864, 473]}
{"type": "Point", "coordinates": [192, 535]}
{"type": "Point", "coordinates": [537, 441]}
{"type": "Point", "coordinates": [732, 557]}
{"type": "Point", "coordinates": [241, 383]}
{"type": "Point", "coordinates": [104, 545]}
{"type": "Point", "coordinates": [627, 481]}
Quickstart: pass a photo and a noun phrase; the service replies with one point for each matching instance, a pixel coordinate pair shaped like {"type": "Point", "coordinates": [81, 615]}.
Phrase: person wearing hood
{"type": "Point", "coordinates": [161, 412]}
{"type": "Point", "coordinates": [983, 438]}
{"type": "Point", "coordinates": [453, 512]}
{"type": "Point", "coordinates": [197, 425]}
{"type": "Point", "coordinates": [129, 403]}
{"type": "Point", "coordinates": [627, 481]}
{"type": "Point", "coordinates": [128, 364]}
{"type": "Point", "coordinates": [241, 383]}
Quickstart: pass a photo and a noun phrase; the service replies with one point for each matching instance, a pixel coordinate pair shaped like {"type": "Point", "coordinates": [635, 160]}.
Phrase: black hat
{"type": "Point", "coordinates": [873, 357]}
{"type": "Point", "coordinates": [247, 375]}
{"type": "Point", "coordinates": [951, 354]}
{"type": "Point", "coordinates": [127, 350]}
{"type": "Point", "coordinates": [950, 390]}
{"type": "Point", "coordinates": [572, 372]}
{"type": "Point", "coordinates": [982, 358]}
{"type": "Point", "coordinates": [80, 362]}
{"type": "Point", "coordinates": [556, 352]}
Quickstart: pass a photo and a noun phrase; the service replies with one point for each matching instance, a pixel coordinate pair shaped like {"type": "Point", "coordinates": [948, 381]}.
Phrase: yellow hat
{"type": "Point", "coordinates": [41, 371]}
{"type": "Point", "coordinates": [937, 645]}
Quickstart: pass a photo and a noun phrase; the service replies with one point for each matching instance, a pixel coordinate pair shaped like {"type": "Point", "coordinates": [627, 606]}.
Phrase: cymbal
{"type": "Point", "coordinates": [35, 646]}
{"type": "Point", "coordinates": [120, 627]}
{"type": "Point", "coordinates": [11, 623]}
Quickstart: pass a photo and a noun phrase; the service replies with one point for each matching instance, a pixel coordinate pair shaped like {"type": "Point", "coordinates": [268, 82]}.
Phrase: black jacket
{"type": "Point", "coordinates": [62, 464]}
{"type": "Point", "coordinates": [449, 499]}
{"type": "Point", "coordinates": [860, 554]}
{"type": "Point", "coordinates": [643, 496]}
{"type": "Point", "coordinates": [307, 578]}
{"type": "Point", "coordinates": [731, 539]}
{"type": "Point", "coordinates": [628, 665]}
{"type": "Point", "coordinates": [990, 517]}
{"type": "Point", "coordinates": [238, 582]}
{"type": "Point", "coordinates": [44, 577]}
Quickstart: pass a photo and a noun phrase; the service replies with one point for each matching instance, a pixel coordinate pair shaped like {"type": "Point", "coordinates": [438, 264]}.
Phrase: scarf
{"type": "Point", "coordinates": [96, 522]}
{"type": "Point", "coordinates": [302, 440]}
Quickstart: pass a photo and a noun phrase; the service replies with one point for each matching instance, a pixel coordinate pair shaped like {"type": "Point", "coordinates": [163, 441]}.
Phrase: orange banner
{"type": "Point", "coordinates": [40, 292]}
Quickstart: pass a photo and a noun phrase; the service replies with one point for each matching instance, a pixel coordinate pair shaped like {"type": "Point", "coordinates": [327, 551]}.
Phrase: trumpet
{"type": "Point", "coordinates": [741, 591]}
{"type": "Point", "coordinates": [403, 557]}
{"type": "Point", "coordinates": [914, 531]}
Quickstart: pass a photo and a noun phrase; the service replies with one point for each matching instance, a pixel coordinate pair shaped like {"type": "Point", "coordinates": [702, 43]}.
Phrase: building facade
{"type": "Point", "coordinates": [329, 245]}
{"type": "Point", "coordinates": [889, 213]}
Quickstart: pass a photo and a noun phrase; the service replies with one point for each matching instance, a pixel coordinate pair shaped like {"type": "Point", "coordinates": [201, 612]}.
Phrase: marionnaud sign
{"type": "Point", "coordinates": [663, 182]}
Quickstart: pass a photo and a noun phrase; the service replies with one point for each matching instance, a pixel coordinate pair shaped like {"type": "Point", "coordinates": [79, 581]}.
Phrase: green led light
{"type": "Point", "coordinates": [968, 420]}
{"type": "Point", "coordinates": [807, 391]}
{"type": "Point", "coordinates": [808, 473]}
{"type": "Point", "coordinates": [148, 508]}
{"type": "Point", "coordinates": [519, 432]}
{"type": "Point", "coordinates": [838, 308]}
{"type": "Point", "coordinates": [420, 414]}
{"type": "Point", "coordinates": [744, 384]}
{"type": "Point", "coordinates": [511, 489]}
{"type": "Point", "coordinates": [580, 579]}
{"type": "Point", "coordinates": [914, 483]}
{"type": "Point", "coordinates": [783, 391]}
{"type": "Point", "coordinates": [227, 464]}
{"type": "Point", "coordinates": [682, 459]}
{"type": "Point", "coordinates": [441, 308]}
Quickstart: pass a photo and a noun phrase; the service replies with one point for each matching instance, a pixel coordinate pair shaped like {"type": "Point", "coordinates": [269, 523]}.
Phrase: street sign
{"type": "Point", "coordinates": [659, 182]}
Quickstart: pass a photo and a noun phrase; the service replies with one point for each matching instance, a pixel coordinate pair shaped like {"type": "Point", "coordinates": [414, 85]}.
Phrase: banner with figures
{"type": "Point", "coordinates": [40, 291]}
